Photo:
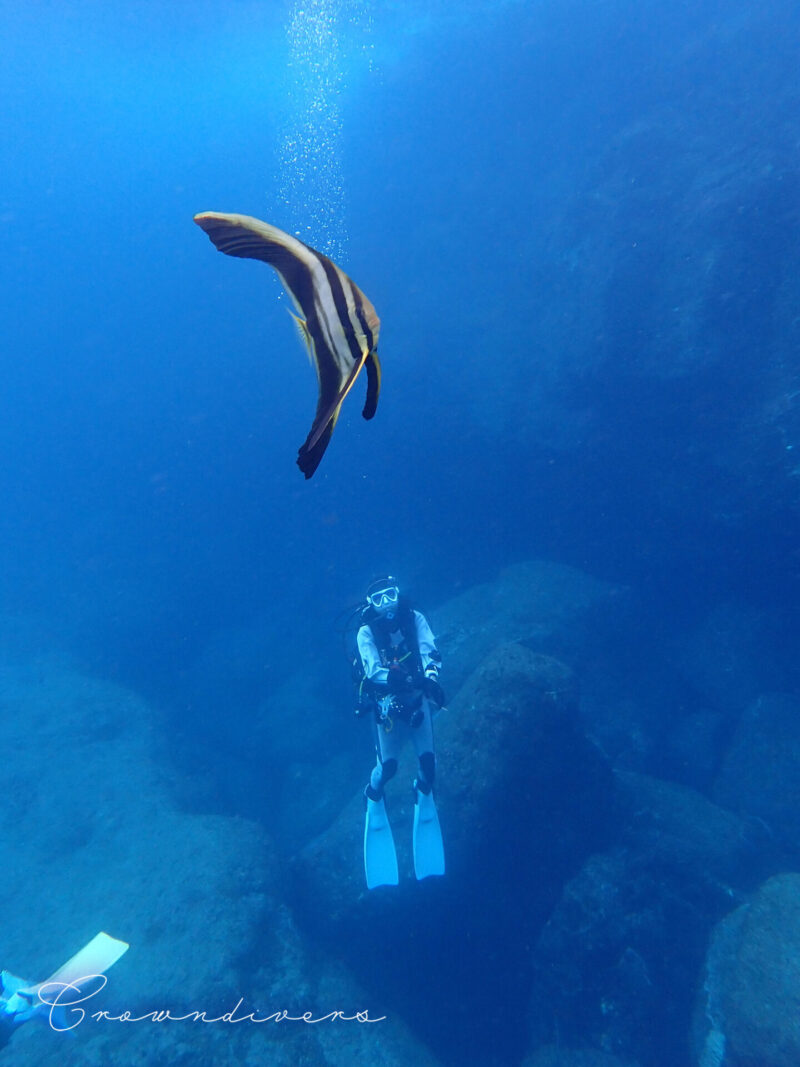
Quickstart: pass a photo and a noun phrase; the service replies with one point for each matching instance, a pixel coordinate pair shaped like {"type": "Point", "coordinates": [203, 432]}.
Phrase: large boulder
{"type": "Point", "coordinates": [559, 1056]}
{"type": "Point", "coordinates": [97, 842]}
{"type": "Point", "coordinates": [760, 773]}
{"type": "Point", "coordinates": [546, 606]}
{"type": "Point", "coordinates": [507, 748]}
{"type": "Point", "coordinates": [616, 961]}
{"type": "Point", "coordinates": [749, 1011]}
{"type": "Point", "coordinates": [523, 799]}
{"type": "Point", "coordinates": [729, 657]}
{"type": "Point", "coordinates": [675, 826]}
{"type": "Point", "coordinates": [263, 723]}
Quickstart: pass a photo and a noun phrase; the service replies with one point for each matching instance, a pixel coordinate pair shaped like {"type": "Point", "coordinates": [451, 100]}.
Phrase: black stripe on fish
{"type": "Point", "coordinates": [337, 282]}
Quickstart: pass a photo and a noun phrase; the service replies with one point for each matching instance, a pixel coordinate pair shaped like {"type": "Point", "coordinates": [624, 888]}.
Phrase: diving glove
{"type": "Point", "coordinates": [434, 692]}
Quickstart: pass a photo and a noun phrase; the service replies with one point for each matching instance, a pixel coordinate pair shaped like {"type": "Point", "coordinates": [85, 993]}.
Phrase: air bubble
{"type": "Point", "coordinates": [312, 186]}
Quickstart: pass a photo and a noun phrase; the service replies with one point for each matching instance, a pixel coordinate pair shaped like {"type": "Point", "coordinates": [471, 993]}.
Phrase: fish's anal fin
{"type": "Point", "coordinates": [373, 384]}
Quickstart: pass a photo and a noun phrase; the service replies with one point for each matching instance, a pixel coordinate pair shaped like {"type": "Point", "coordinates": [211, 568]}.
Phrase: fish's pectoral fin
{"type": "Point", "coordinates": [305, 336]}
{"type": "Point", "coordinates": [373, 385]}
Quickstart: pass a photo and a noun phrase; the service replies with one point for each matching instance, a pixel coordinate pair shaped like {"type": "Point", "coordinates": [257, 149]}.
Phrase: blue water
{"type": "Point", "coordinates": [578, 224]}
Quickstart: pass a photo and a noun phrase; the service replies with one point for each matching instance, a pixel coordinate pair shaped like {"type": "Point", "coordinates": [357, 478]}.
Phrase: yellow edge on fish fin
{"type": "Point", "coordinates": [305, 336]}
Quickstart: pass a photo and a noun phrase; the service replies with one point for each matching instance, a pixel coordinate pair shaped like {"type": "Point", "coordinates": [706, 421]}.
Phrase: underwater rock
{"type": "Point", "coordinates": [516, 766]}
{"type": "Point", "coordinates": [511, 732]}
{"type": "Point", "coordinates": [675, 825]}
{"type": "Point", "coordinates": [616, 962]}
{"type": "Point", "coordinates": [679, 322]}
{"type": "Point", "coordinates": [688, 747]}
{"type": "Point", "coordinates": [596, 628]}
{"type": "Point", "coordinates": [97, 843]}
{"type": "Point", "coordinates": [749, 1006]}
{"type": "Point", "coordinates": [261, 728]}
{"type": "Point", "coordinates": [558, 1056]}
{"type": "Point", "coordinates": [760, 774]}
{"type": "Point", "coordinates": [666, 703]}
{"type": "Point", "coordinates": [730, 657]}
{"type": "Point", "coordinates": [92, 839]}
{"type": "Point", "coordinates": [295, 750]}
{"type": "Point", "coordinates": [610, 966]}
{"type": "Point", "coordinates": [546, 606]}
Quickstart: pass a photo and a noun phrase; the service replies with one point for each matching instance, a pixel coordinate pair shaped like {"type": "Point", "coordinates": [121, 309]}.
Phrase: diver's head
{"type": "Point", "coordinates": [384, 595]}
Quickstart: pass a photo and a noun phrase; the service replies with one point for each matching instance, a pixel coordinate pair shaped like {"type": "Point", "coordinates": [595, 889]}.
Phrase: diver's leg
{"type": "Point", "coordinates": [423, 746]}
{"type": "Point", "coordinates": [387, 747]}
{"type": "Point", "coordinates": [427, 841]}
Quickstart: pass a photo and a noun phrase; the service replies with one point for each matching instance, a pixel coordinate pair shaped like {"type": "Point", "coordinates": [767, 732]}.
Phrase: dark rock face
{"type": "Point", "coordinates": [87, 802]}
{"type": "Point", "coordinates": [678, 827]}
{"type": "Point", "coordinates": [517, 769]}
{"type": "Point", "coordinates": [760, 774]}
{"type": "Point", "coordinates": [673, 256]}
{"type": "Point", "coordinates": [559, 1056]}
{"type": "Point", "coordinates": [617, 959]}
{"type": "Point", "coordinates": [749, 1008]}
{"type": "Point", "coordinates": [729, 658]}
{"type": "Point", "coordinates": [523, 799]}
{"type": "Point", "coordinates": [257, 722]}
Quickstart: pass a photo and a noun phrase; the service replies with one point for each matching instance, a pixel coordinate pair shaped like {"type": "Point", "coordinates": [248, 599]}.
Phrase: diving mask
{"type": "Point", "coordinates": [384, 598]}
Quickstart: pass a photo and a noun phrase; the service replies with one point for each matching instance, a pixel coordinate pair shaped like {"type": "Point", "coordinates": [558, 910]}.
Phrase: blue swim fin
{"type": "Point", "coordinates": [380, 858]}
{"type": "Point", "coordinates": [21, 1000]}
{"type": "Point", "coordinates": [428, 844]}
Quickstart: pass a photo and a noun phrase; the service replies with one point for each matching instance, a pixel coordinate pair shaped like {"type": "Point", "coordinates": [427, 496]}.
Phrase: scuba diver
{"type": "Point", "coordinates": [399, 682]}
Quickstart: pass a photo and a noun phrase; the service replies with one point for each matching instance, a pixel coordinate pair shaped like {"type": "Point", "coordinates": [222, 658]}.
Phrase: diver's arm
{"type": "Point", "coordinates": [429, 654]}
{"type": "Point", "coordinates": [370, 657]}
{"type": "Point", "coordinates": [427, 644]}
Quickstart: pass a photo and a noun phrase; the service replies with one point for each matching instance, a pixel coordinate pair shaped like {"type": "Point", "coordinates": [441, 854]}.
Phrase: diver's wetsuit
{"type": "Point", "coordinates": [380, 657]}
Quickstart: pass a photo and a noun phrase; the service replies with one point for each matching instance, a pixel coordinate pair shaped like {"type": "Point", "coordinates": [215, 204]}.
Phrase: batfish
{"type": "Point", "coordinates": [336, 321]}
